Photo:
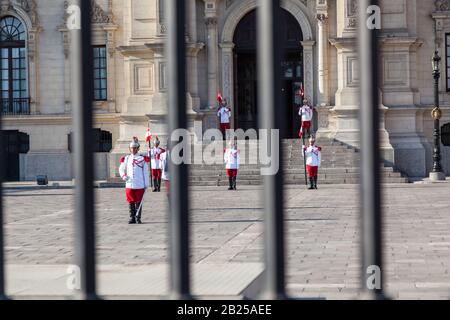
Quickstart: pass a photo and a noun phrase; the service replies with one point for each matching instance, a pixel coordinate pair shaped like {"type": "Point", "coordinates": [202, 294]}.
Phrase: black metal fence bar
{"type": "Point", "coordinates": [269, 64]}
{"type": "Point", "coordinates": [370, 195]}
{"type": "Point", "coordinates": [2, 243]}
{"type": "Point", "coordinates": [82, 97]}
{"type": "Point", "coordinates": [178, 203]}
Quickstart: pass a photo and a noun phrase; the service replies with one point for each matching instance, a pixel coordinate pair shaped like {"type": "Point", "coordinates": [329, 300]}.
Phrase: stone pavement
{"type": "Point", "coordinates": [322, 241]}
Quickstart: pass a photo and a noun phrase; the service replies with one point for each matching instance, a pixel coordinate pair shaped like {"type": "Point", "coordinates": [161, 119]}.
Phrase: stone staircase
{"type": "Point", "coordinates": [340, 165]}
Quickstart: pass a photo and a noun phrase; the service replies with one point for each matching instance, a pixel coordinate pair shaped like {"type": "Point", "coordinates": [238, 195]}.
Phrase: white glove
{"type": "Point", "coordinates": [126, 178]}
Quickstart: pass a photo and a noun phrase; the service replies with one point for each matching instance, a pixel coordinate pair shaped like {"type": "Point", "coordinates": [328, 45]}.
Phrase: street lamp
{"type": "Point", "coordinates": [436, 174]}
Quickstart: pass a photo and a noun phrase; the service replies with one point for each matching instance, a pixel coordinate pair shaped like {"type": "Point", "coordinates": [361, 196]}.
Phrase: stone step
{"type": "Point", "coordinates": [332, 176]}
{"type": "Point", "coordinates": [294, 182]}
{"type": "Point", "coordinates": [295, 170]}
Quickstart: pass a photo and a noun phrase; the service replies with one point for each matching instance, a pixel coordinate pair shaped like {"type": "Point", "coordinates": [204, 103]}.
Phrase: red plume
{"type": "Point", "coordinates": [219, 97]}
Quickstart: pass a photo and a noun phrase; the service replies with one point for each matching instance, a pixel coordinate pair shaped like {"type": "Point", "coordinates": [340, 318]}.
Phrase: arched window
{"type": "Point", "coordinates": [14, 86]}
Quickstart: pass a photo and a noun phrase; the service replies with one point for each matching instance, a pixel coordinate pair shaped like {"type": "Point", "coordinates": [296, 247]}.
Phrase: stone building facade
{"type": "Point", "coordinates": [319, 38]}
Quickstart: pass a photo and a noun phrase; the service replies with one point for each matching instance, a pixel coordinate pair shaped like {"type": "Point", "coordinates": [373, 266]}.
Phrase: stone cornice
{"type": "Point", "coordinates": [412, 42]}
{"type": "Point", "coordinates": [341, 43]}
{"type": "Point", "coordinates": [135, 50]}
{"type": "Point", "coordinates": [63, 119]}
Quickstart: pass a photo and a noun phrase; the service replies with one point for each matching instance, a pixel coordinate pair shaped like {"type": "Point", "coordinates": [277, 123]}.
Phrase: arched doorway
{"type": "Point", "coordinates": [245, 73]}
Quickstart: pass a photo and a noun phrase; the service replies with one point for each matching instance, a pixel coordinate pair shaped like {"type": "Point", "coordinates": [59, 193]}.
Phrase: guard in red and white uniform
{"type": "Point", "coordinates": [224, 113]}
{"type": "Point", "coordinates": [134, 171]}
{"type": "Point", "coordinates": [155, 156]}
{"type": "Point", "coordinates": [306, 114]}
{"type": "Point", "coordinates": [313, 159]}
{"type": "Point", "coordinates": [232, 160]}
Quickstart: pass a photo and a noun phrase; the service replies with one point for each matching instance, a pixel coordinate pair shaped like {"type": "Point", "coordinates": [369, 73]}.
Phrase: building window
{"type": "Point", "coordinates": [102, 141]}
{"type": "Point", "coordinates": [100, 74]}
{"type": "Point", "coordinates": [14, 83]}
{"type": "Point", "coordinates": [447, 62]}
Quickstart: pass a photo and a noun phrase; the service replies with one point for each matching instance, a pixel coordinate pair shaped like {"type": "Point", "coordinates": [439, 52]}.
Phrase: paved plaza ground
{"type": "Point", "coordinates": [322, 240]}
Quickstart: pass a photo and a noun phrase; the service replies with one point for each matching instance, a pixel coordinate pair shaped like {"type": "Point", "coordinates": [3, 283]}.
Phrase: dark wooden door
{"type": "Point", "coordinates": [247, 114]}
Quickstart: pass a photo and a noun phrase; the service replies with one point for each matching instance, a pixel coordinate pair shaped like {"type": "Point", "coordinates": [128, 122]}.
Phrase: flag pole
{"type": "Point", "coordinates": [304, 155]}
{"type": "Point", "coordinates": [149, 152]}
{"type": "Point", "coordinates": [302, 94]}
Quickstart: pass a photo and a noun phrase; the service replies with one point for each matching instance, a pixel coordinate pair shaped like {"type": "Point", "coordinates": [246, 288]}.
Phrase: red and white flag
{"type": "Point", "coordinates": [148, 135]}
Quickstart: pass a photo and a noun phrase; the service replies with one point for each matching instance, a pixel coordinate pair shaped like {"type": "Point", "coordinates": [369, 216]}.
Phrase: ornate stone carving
{"type": "Point", "coordinates": [29, 6]}
{"type": "Point", "coordinates": [351, 14]}
{"type": "Point", "coordinates": [352, 8]}
{"type": "Point", "coordinates": [442, 5]}
{"type": "Point", "coordinates": [322, 18]}
{"type": "Point", "coordinates": [98, 15]}
{"type": "Point", "coordinates": [210, 22]}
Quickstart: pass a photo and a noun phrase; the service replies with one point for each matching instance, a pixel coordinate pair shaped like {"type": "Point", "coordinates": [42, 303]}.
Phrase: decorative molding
{"type": "Point", "coordinates": [98, 15]}
{"type": "Point", "coordinates": [442, 5]}
{"type": "Point", "coordinates": [351, 14]}
{"type": "Point", "coordinates": [211, 22]}
{"type": "Point", "coordinates": [322, 18]}
{"type": "Point", "coordinates": [27, 6]}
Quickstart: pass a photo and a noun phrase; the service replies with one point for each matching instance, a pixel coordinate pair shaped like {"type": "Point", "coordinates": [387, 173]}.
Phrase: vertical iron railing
{"type": "Point", "coordinates": [82, 97]}
{"type": "Point", "coordinates": [269, 64]}
{"type": "Point", "coordinates": [2, 236]}
{"type": "Point", "coordinates": [370, 194]}
{"type": "Point", "coordinates": [178, 202]}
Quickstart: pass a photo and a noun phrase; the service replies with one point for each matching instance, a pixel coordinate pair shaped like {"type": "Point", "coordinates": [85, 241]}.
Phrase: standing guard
{"type": "Point", "coordinates": [306, 113]}
{"type": "Point", "coordinates": [134, 171]}
{"type": "Point", "coordinates": [232, 161]}
{"type": "Point", "coordinates": [155, 156]}
{"type": "Point", "coordinates": [313, 160]}
{"type": "Point", "coordinates": [224, 113]}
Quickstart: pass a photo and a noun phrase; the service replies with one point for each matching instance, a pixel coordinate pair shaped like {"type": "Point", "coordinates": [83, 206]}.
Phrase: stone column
{"type": "Point", "coordinates": [227, 75]}
{"type": "Point", "coordinates": [192, 73]}
{"type": "Point", "coordinates": [211, 28]}
{"type": "Point", "coordinates": [192, 21]}
{"type": "Point", "coordinates": [347, 95]}
{"type": "Point", "coordinates": [192, 51]}
{"type": "Point", "coordinates": [323, 90]}
{"type": "Point", "coordinates": [308, 65]}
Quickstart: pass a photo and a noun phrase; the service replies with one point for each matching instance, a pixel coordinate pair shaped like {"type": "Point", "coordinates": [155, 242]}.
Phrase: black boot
{"type": "Point", "coordinates": [315, 182]}
{"type": "Point", "coordinates": [234, 183]}
{"type": "Point", "coordinates": [132, 213]}
{"type": "Point", "coordinates": [159, 184]}
{"type": "Point", "coordinates": [230, 182]}
{"type": "Point", "coordinates": [155, 185]}
{"type": "Point", "coordinates": [138, 212]}
{"type": "Point", "coordinates": [311, 183]}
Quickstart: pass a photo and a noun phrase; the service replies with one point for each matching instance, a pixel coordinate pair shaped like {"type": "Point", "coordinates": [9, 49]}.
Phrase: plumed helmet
{"type": "Point", "coordinates": [135, 143]}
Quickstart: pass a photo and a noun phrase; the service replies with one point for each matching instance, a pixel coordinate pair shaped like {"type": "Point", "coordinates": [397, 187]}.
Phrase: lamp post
{"type": "Point", "coordinates": [436, 174]}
